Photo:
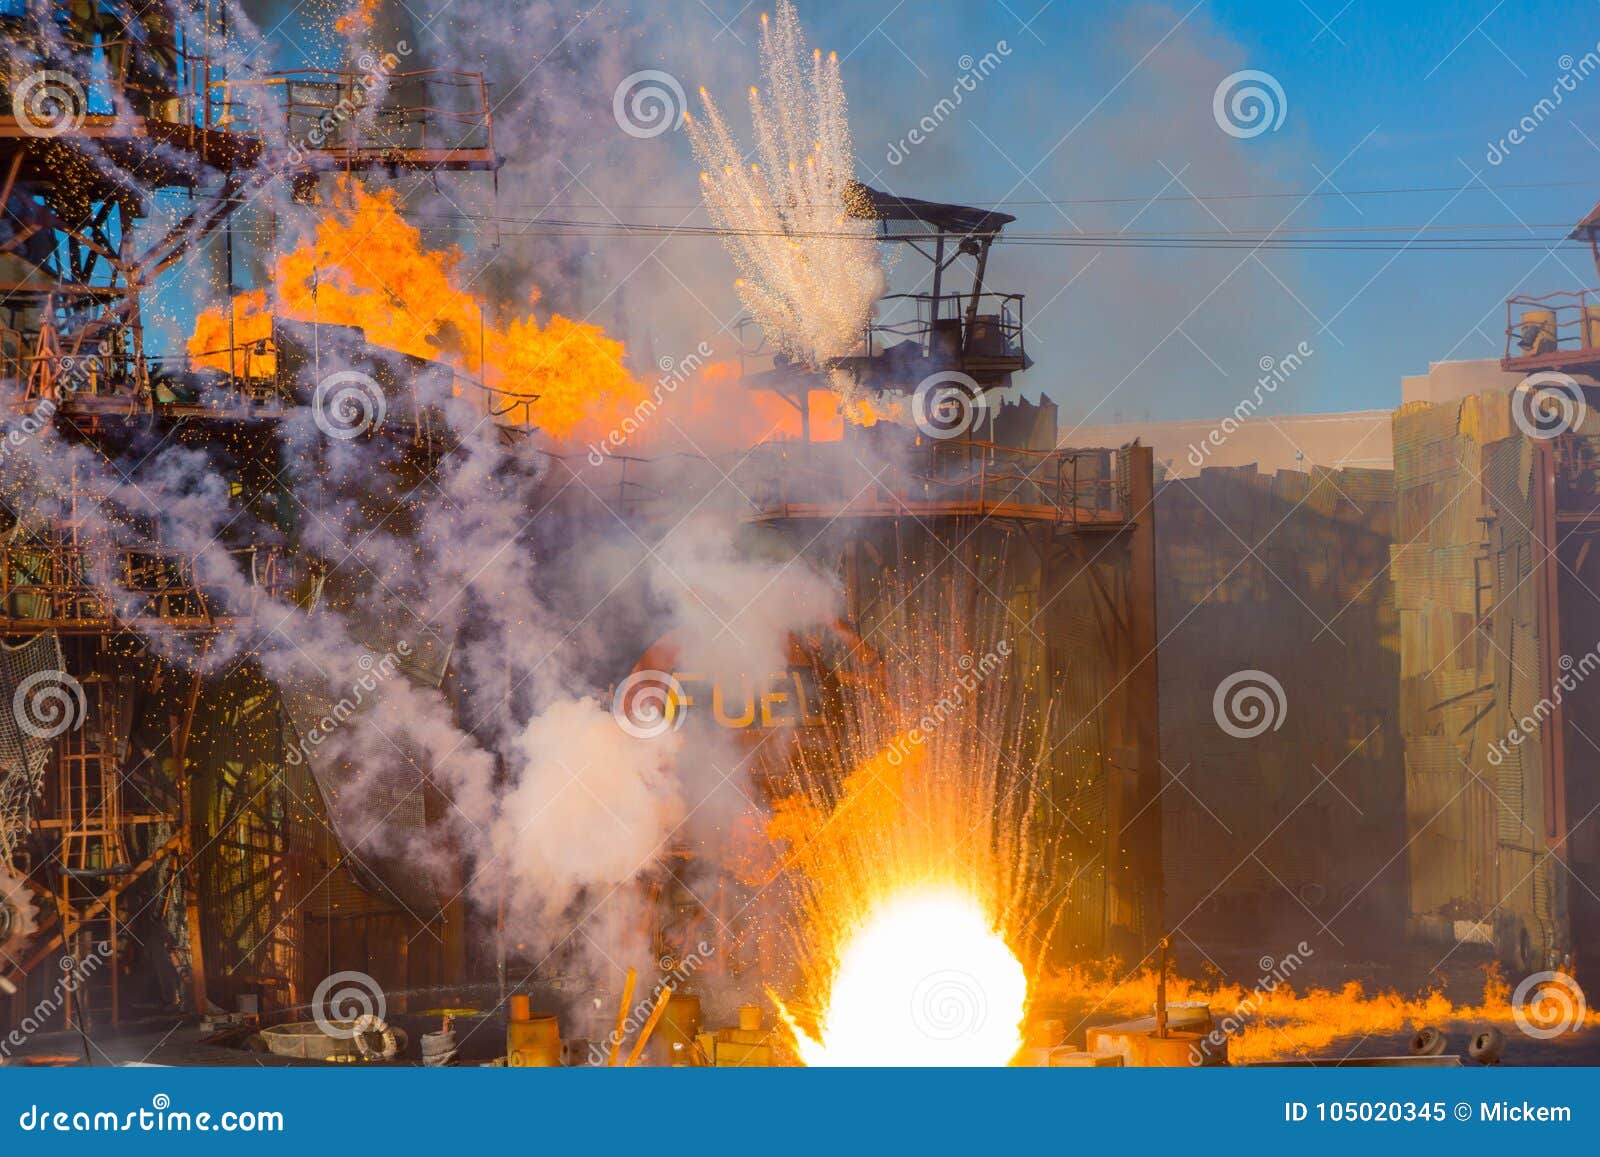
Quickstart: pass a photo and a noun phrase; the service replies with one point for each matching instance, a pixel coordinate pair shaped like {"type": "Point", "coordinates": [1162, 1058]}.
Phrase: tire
{"type": "Point", "coordinates": [1429, 1042]}
{"type": "Point", "coordinates": [1487, 1047]}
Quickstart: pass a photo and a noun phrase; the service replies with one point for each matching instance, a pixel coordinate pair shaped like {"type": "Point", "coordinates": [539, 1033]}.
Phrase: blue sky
{"type": "Point", "coordinates": [1107, 101]}
{"type": "Point", "coordinates": [1379, 96]}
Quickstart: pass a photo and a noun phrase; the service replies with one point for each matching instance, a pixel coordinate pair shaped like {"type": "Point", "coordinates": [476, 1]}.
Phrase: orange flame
{"type": "Point", "coordinates": [1277, 1022]}
{"type": "Point", "coordinates": [358, 18]}
{"type": "Point", "coordinates": [366, 266]}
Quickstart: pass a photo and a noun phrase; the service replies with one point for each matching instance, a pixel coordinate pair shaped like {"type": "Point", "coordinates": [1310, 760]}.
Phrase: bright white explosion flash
{"type": "Point", "coordinates": [927, 982]}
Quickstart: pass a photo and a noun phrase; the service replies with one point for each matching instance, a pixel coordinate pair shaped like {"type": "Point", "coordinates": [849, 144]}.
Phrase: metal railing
{"type": "Point", "coordinates": [369, 113]}
{"type": "Point", "coordinates": [1076, 488]}
{"type": "Point", "coordinates": [1553, 324]}
{"type": "Point", "coordinates": [53, 579]}
{"type": "Point", "coordinates": [1073, 489]}
{"type": "Point", "coordinates": [154, 73]}
{"type": "Point", "coordinates": [996, 328]}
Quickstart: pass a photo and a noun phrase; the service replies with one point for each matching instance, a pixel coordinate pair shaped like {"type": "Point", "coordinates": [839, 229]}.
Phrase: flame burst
{"type": "Point", "coordinates": [810, 271]}
{"type": "Point", "coordinates": [1275, 1021]}
{"type": "Point", "coordinates": [887, 1008]}
{"type": "Point", "coordinates": [917, 864]}
{"type": "Point", "coordinates": [366, 266]}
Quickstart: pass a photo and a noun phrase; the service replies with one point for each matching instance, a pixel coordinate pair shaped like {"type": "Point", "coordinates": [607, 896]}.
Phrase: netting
{"type": "Point", "coordinates": [25, 747]}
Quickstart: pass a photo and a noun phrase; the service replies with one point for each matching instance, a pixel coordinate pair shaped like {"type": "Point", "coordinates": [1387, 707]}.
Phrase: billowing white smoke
{"type": "Point", "coordinates": [590, 804]}
{"type": "Point", "coordinates": [551, 803]}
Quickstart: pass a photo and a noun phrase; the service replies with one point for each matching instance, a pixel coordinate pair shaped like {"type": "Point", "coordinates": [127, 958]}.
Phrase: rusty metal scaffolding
{"type": "Point", "coordinates": [146, 107]}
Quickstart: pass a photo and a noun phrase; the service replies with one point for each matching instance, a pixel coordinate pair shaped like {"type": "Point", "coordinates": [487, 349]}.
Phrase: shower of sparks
{"type": "Point", "coordinates": [810, 270]}
{"type": "Point", "coordinates": [920, 858]}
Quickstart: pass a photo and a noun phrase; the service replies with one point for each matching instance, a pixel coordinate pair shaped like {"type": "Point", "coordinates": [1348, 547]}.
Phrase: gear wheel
{"type": "Point", "coordinates": [18, 915]}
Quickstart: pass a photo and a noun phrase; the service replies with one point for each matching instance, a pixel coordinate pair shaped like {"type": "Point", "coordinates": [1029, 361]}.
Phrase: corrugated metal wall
{"type": "Point", "coordinates": [1464, 564]}
{"type": "Point", "coordinates": [1284, 574]}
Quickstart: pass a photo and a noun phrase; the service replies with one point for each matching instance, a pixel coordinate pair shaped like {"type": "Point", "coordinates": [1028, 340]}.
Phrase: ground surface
{"type": "Point", "coordinates": [1409, 969]}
